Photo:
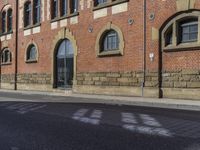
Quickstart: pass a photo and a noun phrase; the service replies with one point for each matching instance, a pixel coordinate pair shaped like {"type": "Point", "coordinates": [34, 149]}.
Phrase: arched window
{"type": "Point", "coordinates": [6, 56]}
{"type": "Point", "coordinates": [110, 41]}
{"type": "Point", "coordinates": [9, 23]}
{"type": "Point", "coordinates": [36, 11]}
{"type": "Point", "coordinates": [31, 53]}
{"type": "Point", "coordinates": [27, 14]}
{"type": "Point", "coordinates": [3, 22]}
{"type": "Point", "coordinates": [181, 32]}
{"type": "Point", "coordinates": [54, 9]}
{"type": "Point", "coordinates": [63, 8]}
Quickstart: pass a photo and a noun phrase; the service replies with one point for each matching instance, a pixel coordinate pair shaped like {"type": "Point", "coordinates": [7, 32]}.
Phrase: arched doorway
{"type": "Point", "coordinates": [64, 64]}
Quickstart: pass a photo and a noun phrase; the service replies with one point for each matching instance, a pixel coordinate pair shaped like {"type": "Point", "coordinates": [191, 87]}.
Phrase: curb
{"type": "Point", "coordinates": [179, 104]}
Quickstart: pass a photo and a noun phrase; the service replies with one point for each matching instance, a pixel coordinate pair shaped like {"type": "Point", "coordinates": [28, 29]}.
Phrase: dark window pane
{"type": "Point", "coordinates": [189, 31]}
{"type": "Point", "coordinates": [6, 56]}
{"type": "Point", "coordinates": [36, 17]}
{"type": "Point", "coordinates": [186, 29]}
{"type": "Point", "coordinates": [110, 41]}
{"type": "Point", "coordinates": [31, 53]}
{"type": "Point", "coordinates": [193, 36]}
{"type": "Point", "coordinates": [74, 6]}
{"type": "Point", "coordinates": [4, 22]}
{"type": "Point", "coordinates": [185, 37]}
{"type": "Point", "coordinates": [194, 28]}
{"type": "Point", "coordinates": [64, 6]}
{"type": "Point", "coordinates": [9, 20]}
{"type": "Point", "coordinates": [54, 11]}
{"type": "Point", "coordinates": [27, 14]}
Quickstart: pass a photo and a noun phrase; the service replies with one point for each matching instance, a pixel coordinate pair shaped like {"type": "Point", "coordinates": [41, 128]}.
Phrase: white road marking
{"type": "Point", "coordinates": [11, 107]}
{"type": "Point", "coordinates": [150, 121]}
{"type": "Point", "coordinates": [96, 114]}
{"type": "Point", "coordinates": [149, 125]}
{"type": "Point", "coordinates": [147, 130]}
{"type": "Point", "coordinates": [79, 113]}
{"type": "Point", "coordinates": [23, 111]}
{"type": "Point", "coordinates": [128, 118]}
{"type": "Point", "coordinates": [94, 117]}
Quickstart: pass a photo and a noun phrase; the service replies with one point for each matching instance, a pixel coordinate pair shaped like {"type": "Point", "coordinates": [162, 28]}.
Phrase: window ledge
{"type": "Point", "coordinates": [31, 61]}
{"type": "Point", "coordinates": [32, 26]}
{"type": "Point", "coordinates": [182, 47]}
{"type": "Point", "coordinates": [108, 4]}
{"type": "Point", "coordinates": [6, 63]}
{"type": "Point", "coordinates": [65, 17]}
{"type": "Point", "coordinates": [6, 33]}
{"type": "Point", "coordinates": [110, 53]}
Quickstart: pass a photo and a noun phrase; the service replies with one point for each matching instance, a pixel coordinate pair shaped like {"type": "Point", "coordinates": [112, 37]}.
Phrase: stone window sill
{"type": "Point", "coordinates": [6, 33]}
{"type": "Point", "coordinates": [6, 63]}
{"type": "Point", "coordinates": [31, 61]}
{"type": "Point", "coordinates": [182, 47]}
{"type": "Point", "coordinates": [108, 4]}
{"type": "Point", "coordinates": [110, 53]}
{"type": "Point", "coordinates": [65, 17]}
{"type": "Point", "coordinates": [32, 26]}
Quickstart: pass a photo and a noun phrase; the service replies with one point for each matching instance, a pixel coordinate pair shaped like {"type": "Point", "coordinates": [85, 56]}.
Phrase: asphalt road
{"type": "Point", "coordinates": [73, 126]}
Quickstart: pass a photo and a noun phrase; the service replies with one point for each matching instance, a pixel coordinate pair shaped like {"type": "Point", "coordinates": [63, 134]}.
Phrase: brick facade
{"type": "Point", "coordinates": [173, 74]}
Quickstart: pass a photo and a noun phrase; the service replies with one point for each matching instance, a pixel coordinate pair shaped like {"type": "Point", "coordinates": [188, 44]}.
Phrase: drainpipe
{"type": "Point", "coordinates": [144, 44]}
{"type": "Point", "coordinates": [0, 65]}
{"type": "Point", "coordinates": [16, 44]}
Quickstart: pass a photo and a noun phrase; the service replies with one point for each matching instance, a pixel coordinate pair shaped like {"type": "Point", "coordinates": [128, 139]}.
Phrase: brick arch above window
{"type": "Point", "coordinates": [181, 32]}
{"type": "Point", "coordinates": [102, 35]}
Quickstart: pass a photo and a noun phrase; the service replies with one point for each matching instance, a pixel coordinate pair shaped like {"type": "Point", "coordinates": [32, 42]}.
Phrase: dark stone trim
{"type": "Point", "coordinates": [32, 26]}
{"type": "Point", "coordinates": [31, 61]}
{"type": "Point", "coordinates": [107, 4]}
{"type": "Point", "coordinates": [181, 48]}
{"type": "Point", "coordinates": [110, 53]}
{"type": "Point", "coordinates": [6, 33]}
{"type": "Point", "coordinates": [7, 63]}
{"type": "Point", "coordinates": [64, 17]}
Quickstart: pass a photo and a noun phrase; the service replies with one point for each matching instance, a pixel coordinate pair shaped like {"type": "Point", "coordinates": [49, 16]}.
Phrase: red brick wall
{"type": "Point", "coordinates": [9, 69]}
{"type": "Point", "coordinates": [171, 60]}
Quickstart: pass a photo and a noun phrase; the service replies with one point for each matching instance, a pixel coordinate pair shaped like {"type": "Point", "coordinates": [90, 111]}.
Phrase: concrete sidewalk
{"type": "Point", "coordinates": [70, 97]}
